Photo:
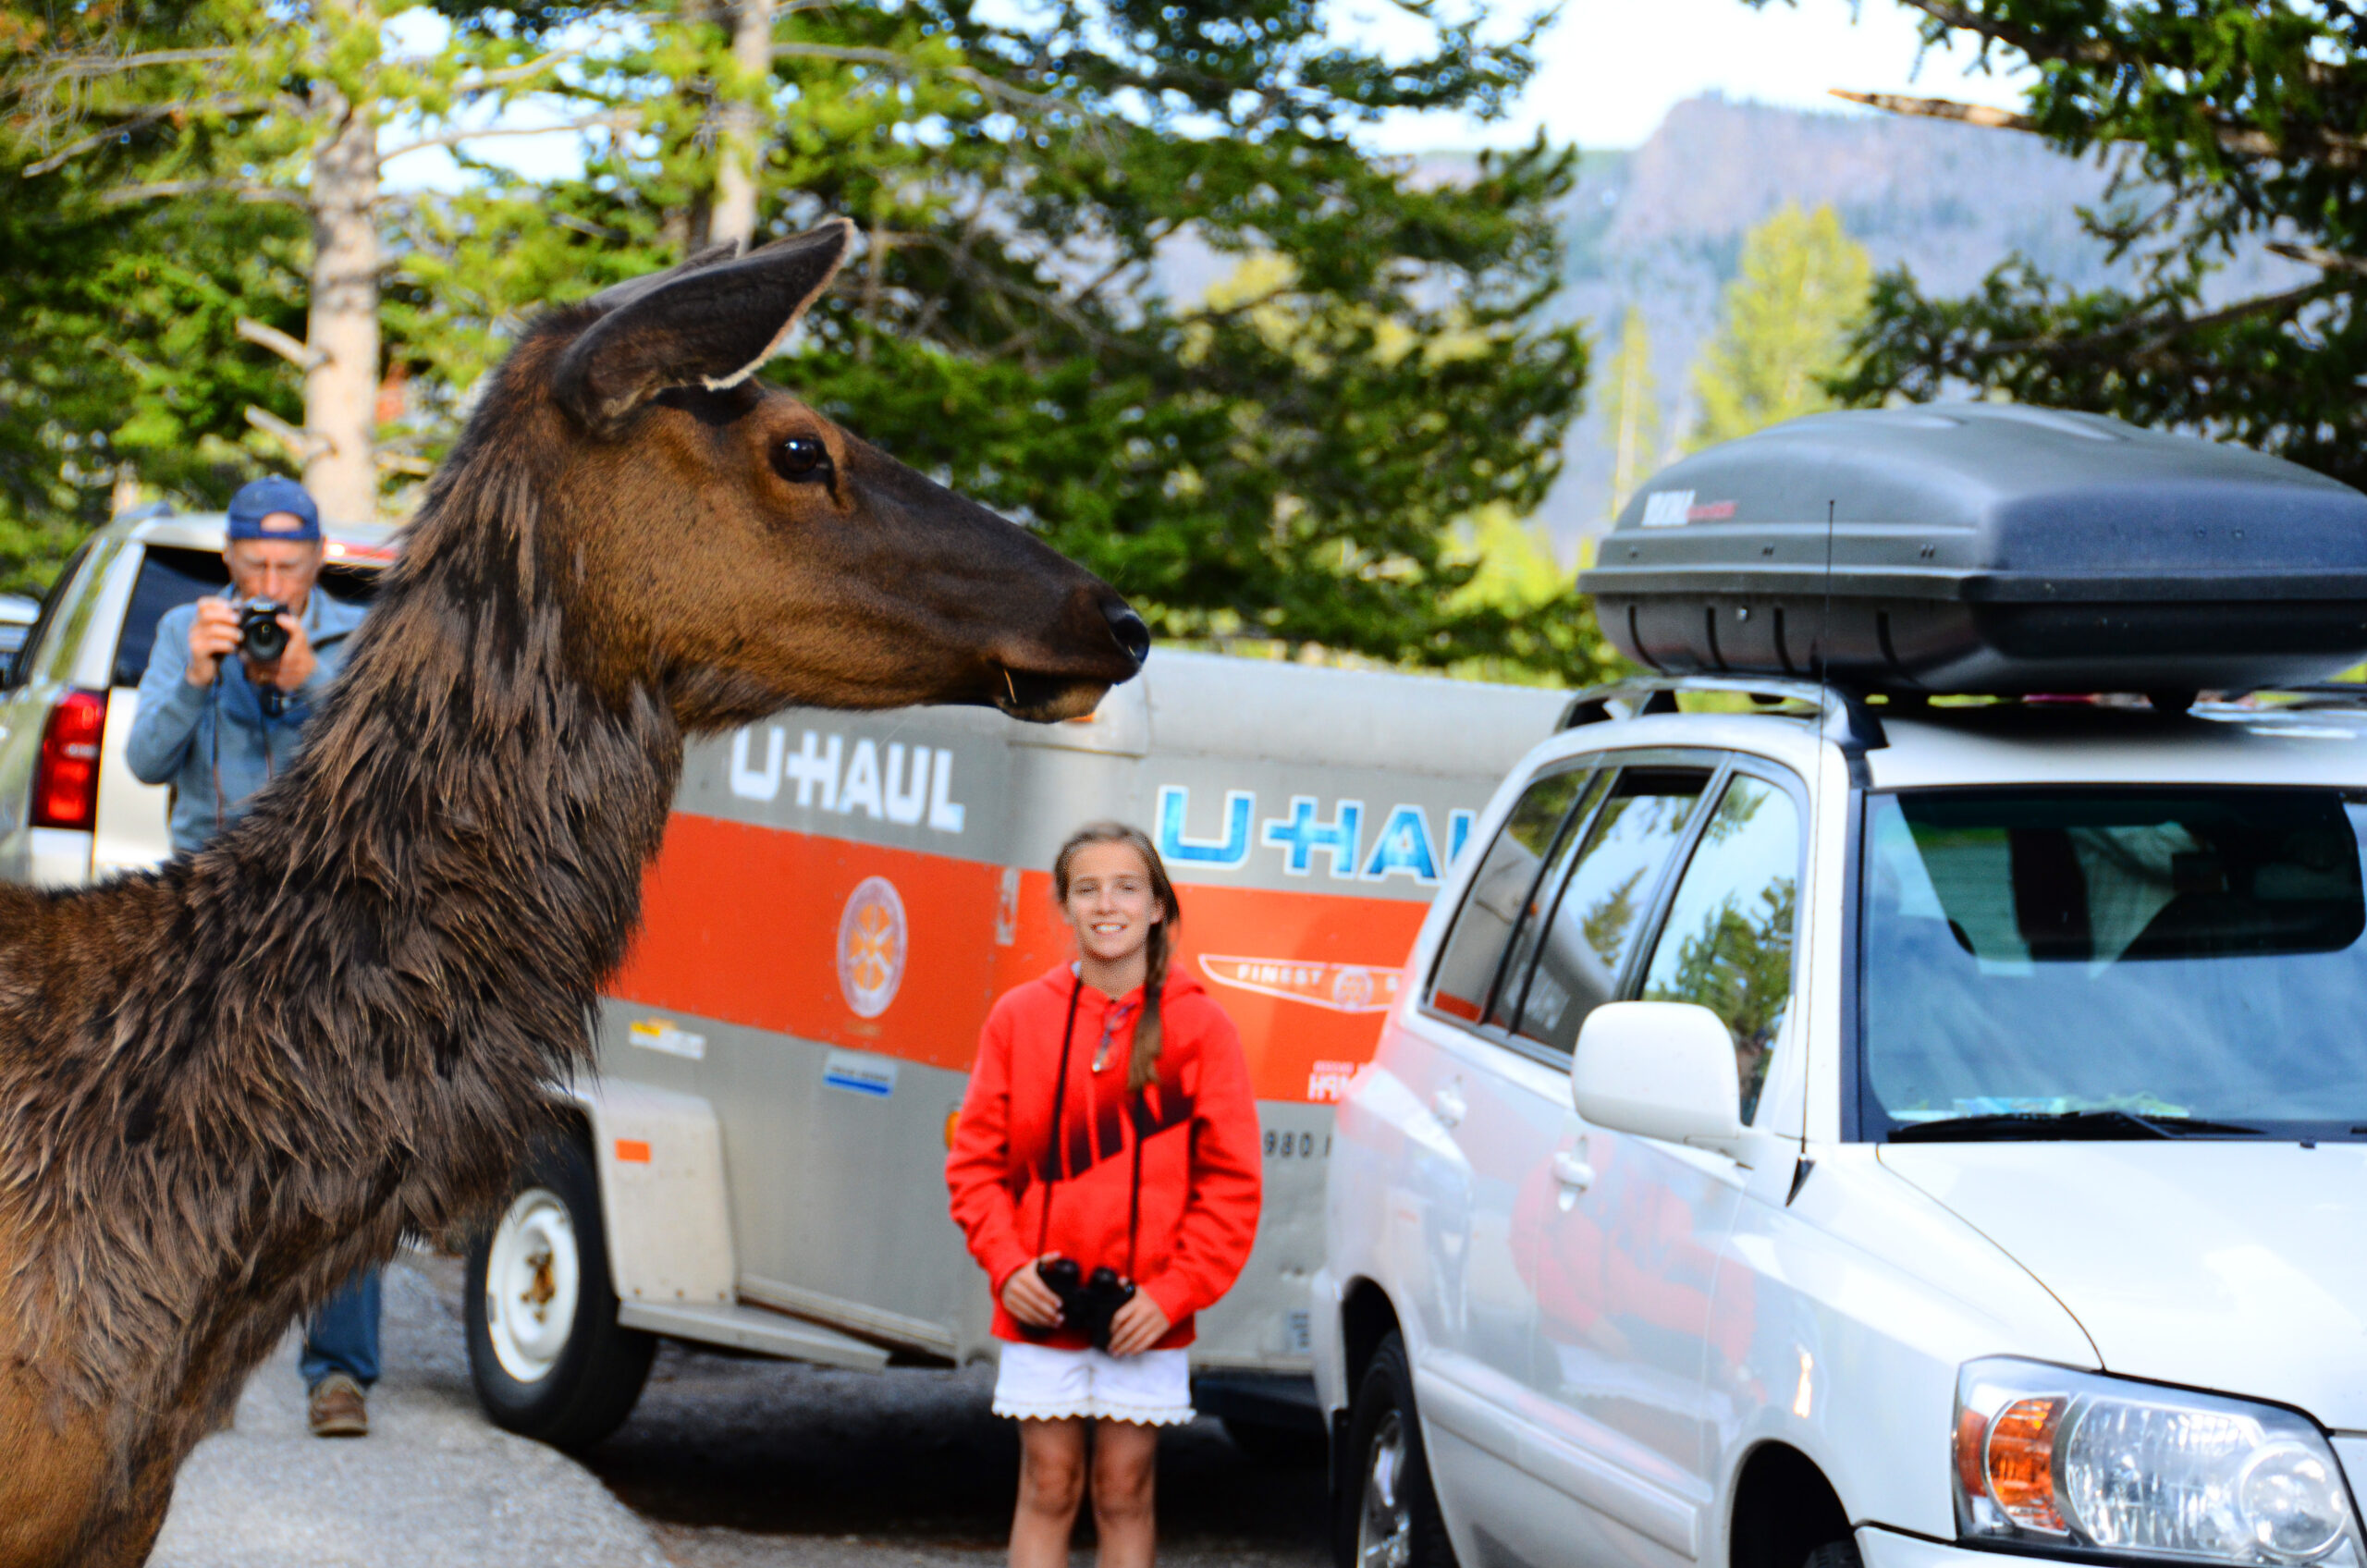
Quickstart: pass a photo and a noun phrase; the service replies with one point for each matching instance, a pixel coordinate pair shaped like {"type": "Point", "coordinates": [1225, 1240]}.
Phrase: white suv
{"type": "Point", "coordinates": [1837, 1132]}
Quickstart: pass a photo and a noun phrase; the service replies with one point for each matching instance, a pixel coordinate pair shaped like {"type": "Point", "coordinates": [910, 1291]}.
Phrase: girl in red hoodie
{"type": "Point", "coordinates": [1108, 1124]}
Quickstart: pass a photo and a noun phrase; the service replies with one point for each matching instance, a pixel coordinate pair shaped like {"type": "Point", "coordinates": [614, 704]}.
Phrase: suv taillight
{"type": "Point", "coordinates": [66, 786]}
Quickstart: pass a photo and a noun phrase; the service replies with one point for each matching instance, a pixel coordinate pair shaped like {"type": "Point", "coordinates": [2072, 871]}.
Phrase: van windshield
{"type": "Point", "coordinates": [2101, 962]}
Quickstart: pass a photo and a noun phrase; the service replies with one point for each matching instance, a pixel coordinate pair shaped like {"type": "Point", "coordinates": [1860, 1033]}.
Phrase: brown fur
{"type": "Point", "coordinates": [225, 1086]}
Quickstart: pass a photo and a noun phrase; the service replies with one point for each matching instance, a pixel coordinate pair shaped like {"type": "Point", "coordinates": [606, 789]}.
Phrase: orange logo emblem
{"type": "Point", "coordinates": [871, 947]}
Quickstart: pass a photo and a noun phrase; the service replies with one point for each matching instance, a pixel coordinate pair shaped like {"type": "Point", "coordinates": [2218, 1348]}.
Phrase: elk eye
{"type": "Point", "coordinates": [801, 458]}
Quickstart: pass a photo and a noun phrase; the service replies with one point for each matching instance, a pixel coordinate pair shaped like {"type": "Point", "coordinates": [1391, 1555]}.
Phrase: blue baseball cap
{"type": "Point", "coordinates": [261, 498]}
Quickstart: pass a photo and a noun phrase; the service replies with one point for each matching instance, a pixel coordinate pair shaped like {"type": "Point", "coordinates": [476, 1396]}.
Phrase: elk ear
{"type": "Point", "coordinates": [709, 322]}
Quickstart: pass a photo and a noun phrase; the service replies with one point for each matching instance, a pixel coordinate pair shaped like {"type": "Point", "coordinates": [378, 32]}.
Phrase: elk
{"type": "Point", "coordinates": [225, 1084]}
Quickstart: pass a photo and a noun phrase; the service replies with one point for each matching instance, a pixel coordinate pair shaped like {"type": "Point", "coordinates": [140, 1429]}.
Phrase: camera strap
{"type": "Point", "coordinates": [1057, 1161]}
{"type": "Point", "coordinates": [1058, 1150]}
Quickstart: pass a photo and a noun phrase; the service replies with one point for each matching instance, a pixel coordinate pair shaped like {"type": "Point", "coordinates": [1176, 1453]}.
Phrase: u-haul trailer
{"type": "Point", "coordinates": [839, 900]}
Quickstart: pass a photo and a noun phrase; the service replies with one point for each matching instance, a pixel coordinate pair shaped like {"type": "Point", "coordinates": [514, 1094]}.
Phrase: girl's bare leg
{"type": "Point", "coordinates": [1051, 1484]}
{"type": "Point", "coordinates": [1126, 1469]}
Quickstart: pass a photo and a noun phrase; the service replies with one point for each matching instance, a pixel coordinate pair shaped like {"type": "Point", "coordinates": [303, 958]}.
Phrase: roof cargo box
{"type": "Point", "coordinates": [1988, 549]}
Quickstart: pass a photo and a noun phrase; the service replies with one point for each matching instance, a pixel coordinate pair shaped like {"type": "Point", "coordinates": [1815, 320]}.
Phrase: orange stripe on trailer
{"type": "Point", "coordinates": [632, 1151]}
{"type": "Point", "coordinates": [791, 932]}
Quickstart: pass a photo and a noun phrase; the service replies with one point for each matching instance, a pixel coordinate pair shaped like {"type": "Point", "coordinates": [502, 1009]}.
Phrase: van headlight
{"type": "Point", "coordinates": [2051, 1458]}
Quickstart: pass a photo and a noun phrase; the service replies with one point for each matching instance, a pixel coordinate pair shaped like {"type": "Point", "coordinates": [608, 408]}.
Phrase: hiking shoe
{"type": "Point", "coordinates": [336, 1408]}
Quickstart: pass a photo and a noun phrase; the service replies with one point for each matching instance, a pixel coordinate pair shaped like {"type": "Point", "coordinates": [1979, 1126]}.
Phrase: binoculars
{"type": "Point", "coordinates": [1088, 1305]}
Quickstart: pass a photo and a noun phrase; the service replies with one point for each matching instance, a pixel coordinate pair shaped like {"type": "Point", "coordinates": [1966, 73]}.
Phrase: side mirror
{"type": "Point", "coordinates": [1660, 1070]}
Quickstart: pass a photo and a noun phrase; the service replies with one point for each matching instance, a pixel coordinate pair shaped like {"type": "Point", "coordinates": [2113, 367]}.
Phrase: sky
{"type": "Point", "coordinates": [1608, 73]}
{"type": "Point", "coordinates": [1612, 69]}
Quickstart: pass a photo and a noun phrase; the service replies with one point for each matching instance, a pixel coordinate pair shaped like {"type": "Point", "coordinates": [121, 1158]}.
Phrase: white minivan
{"type": "Point", "coordinates": [1841, 1132]}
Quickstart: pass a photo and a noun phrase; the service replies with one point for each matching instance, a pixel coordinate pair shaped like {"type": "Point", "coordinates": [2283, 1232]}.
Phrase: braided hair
{"type": "Point", "coordinates": [1143, 1065]}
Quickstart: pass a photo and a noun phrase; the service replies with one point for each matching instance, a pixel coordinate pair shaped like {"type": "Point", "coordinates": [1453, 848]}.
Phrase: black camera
{"type": "Point", "coordinates": [261, 637]}
{"type": "Point", "coordinates": [1088, 1305]}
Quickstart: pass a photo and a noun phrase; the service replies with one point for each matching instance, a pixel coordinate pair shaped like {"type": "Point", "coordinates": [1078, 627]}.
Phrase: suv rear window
{"type": "Point", "coordinates": [170, 578]}
{"type": "Point", "coordinates": [167, 578]}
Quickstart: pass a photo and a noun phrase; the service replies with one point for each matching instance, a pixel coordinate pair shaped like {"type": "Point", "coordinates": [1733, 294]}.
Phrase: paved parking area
{"type": "Point", "coordinates": [763, 1464]}
{"type": "Point", "coordinates": [432, 1484]}
{"type": "Point", "coordinates": [728, 1463]}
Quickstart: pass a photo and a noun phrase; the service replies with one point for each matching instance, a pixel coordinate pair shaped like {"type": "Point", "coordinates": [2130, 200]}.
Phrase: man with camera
{"type": "Point", "coordinates": [230, 682]}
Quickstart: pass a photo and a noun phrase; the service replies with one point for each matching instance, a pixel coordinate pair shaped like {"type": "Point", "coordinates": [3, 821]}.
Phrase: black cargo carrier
{"type": "Point", "coordinates": [1988, 549]}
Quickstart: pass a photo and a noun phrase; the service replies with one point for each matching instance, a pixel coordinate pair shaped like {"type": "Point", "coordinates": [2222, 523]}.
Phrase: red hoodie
{"type": "Point", "coordinates": [1198, 1127]}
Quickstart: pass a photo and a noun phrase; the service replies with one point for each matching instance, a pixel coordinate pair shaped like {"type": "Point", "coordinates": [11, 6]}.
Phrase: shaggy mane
{"type": "Point", "coordinates": [328, 1028]}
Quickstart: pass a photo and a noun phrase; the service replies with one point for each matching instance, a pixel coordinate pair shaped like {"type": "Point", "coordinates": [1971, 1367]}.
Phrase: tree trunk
{"type": "Point", "coordinates": [735, 177]}
{"type": "Point", "coordinates": [341, 388]}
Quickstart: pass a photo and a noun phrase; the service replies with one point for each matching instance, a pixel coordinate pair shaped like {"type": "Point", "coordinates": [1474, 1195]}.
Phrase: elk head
{"type": "Point", "coordinates": [757, 555]}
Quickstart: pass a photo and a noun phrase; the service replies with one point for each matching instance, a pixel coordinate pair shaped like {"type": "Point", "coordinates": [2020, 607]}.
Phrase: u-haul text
{"type": "Point", "coordinates": [892, 783]}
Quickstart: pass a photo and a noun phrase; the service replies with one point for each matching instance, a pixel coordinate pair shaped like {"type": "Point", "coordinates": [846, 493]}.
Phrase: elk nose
{"type": "Point", "coordinates": [1128, 628]}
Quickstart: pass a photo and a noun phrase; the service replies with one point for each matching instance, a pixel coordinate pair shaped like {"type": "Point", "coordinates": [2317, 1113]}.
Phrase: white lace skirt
{"type": "Point", "coordinates": [1042, 1383]}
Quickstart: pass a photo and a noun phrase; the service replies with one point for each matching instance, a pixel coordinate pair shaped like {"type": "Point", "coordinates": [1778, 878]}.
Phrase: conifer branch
{"type": "Point", "coordinates": [302, 356]}
{"type": "Point", "coordinates": [226, 102]}
{"type": "Point", "coordinates": [2317, 256]}
{"type": "Point", "coordinates": [301, 445]}
{"type": "Point", "coordinates": [1938, 109]}
{"type": "Point", "coordinates": [86, 67]}
{"type": "Point", "coordinates": [2335, 149]}
{"type": "Point", "coordinates": [245, 191]}
{"type": "Point", "coordinates": [614, 118]}
{"type": "Point", "coordinates": [991, 86]}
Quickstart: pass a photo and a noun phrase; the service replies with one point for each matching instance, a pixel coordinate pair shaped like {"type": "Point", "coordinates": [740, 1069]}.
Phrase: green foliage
{"type": "Point", "coordinates": [1631, 410]}
{"type": "Point", "coordinates": [1326, 447]}
{"type": "Point", "coordinates": [1299, 455]}
{"type": "Point", "coordinates": [1787, 325]}
{"type": "Point", "coordinates": [2234, 122]}
{"type": "Point", "coordinates": [114, 316]}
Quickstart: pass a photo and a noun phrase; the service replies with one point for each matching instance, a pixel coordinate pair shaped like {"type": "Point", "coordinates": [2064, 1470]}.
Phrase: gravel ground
{"type": "Point", "coordinates": [432, 1484]}
{"type": "Point", "coordinates": [727, 1462]}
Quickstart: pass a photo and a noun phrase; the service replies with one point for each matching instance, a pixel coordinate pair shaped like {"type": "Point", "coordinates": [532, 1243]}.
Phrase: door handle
{"type": "Point", "coordinates": [1570, 1169]}
{"type": "Point", "coordinates": [1447, 1104]}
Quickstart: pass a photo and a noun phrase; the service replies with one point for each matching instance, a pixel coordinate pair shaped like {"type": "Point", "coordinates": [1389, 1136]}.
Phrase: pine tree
{"type": "Point", "coordinates": [1288, 457]}
{"type": "Point", "coordinates": [1631, 410]}
{"type": "Point", "coordinates": [129, 122]}
{"type": "Point", "coordinates": [1785, 327]}
{"type": "Point", "coordinates": [2228, 123]}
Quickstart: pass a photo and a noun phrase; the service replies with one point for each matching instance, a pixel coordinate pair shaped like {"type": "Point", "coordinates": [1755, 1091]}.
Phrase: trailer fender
{"type": "Point", "coordinates": [659, 1155]}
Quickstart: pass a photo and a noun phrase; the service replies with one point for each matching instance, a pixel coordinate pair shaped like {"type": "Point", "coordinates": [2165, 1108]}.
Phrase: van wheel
{"type": "Point", "coordinates": [1842, 1553]}
{"type": "Point", "coordinates": [548, 1358]}
{"type": "Point", "coordinates": [1388, 1514]}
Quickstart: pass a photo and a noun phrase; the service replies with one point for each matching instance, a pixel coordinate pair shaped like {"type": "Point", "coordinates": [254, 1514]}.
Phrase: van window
{"type": "Point", "coordinates": [1475, 945]}
{"type": "Point", "coordinates": [168, 578]}
{"type": "Point", "coordinates": [1727, 942]}
{"type": "Point", "coordinates": [1599, 912]}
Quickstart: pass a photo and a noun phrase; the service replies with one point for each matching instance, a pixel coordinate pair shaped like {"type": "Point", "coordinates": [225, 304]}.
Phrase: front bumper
{"type": "Point", "coordinates": [1889, 1548]}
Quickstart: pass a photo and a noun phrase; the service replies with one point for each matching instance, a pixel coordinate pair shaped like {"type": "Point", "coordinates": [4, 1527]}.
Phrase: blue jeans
{"type": "Point", "coordinates": [343, 1335]}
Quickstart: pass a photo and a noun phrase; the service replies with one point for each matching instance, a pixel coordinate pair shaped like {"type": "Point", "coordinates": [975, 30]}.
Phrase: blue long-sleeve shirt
{"type": "Point", "coordinates": [174, 735]}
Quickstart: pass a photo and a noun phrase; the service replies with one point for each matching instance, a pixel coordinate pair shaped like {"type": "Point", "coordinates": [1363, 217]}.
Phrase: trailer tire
{"type": "Point", "coordinates": [546, 1352]}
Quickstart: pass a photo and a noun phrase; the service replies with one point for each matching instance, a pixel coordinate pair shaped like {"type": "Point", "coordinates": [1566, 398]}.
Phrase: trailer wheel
{"type": "Point", "coordinates": [548, 1358]}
